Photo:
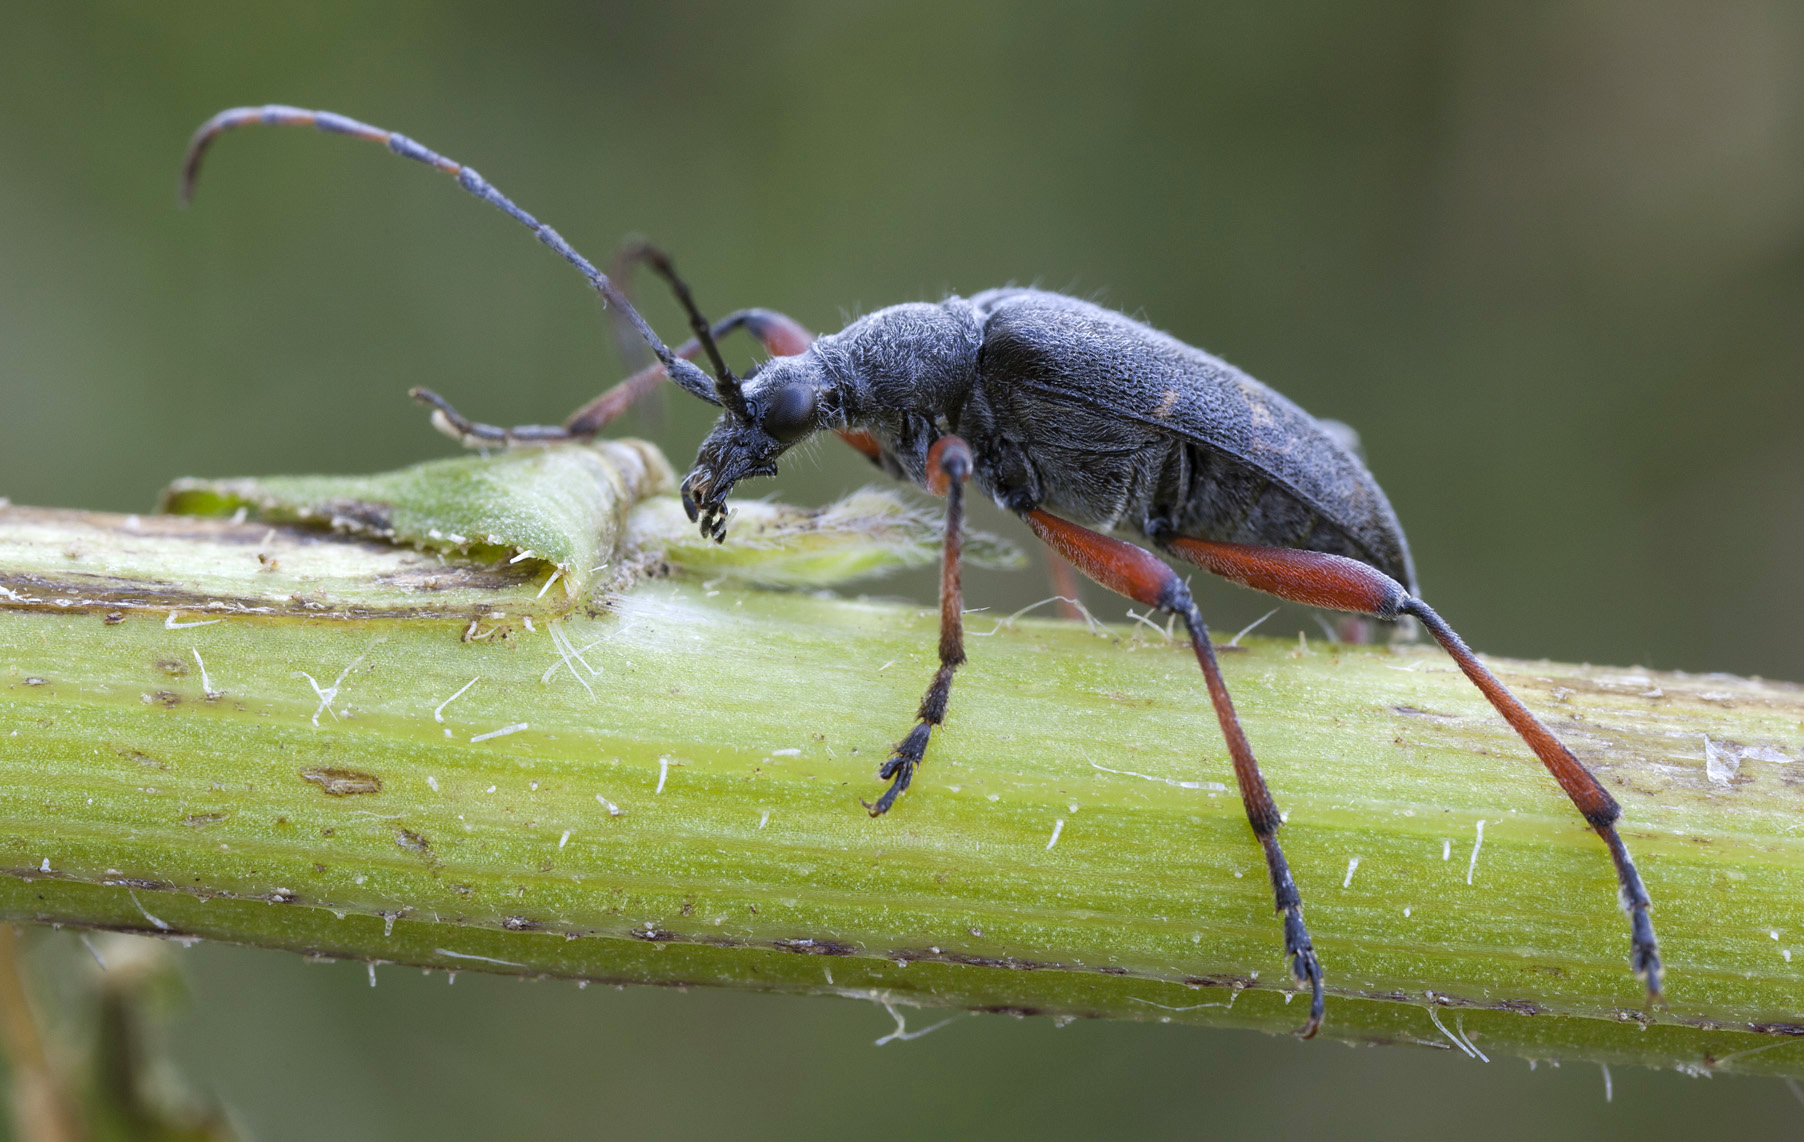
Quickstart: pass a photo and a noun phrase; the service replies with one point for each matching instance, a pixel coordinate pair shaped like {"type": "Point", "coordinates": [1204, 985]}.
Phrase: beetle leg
{"type": "Point", "coordinates": [781, 337]}
{"type": "Point", "coordinates": [1339, 583]}
{"type": "Point", "coordinates": [948, 466]}
{"type": "Point", "coordinates": [1144, 577]}
{"type": "Point", "coordinates": [1065, 588]}
{"type": "Point", "coordinates": [472, 434]}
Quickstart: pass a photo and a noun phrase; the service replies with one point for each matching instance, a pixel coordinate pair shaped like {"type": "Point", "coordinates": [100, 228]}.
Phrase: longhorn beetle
{"type": "Point", "coordinates": [1079, 420]}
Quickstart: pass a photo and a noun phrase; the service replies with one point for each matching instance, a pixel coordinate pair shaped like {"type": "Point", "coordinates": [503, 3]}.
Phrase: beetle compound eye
{"type": "Point", "coordinates": [791, 413]}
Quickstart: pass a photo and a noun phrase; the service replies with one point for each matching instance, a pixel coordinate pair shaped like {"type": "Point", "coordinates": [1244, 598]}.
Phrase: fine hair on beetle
{"type": "Point", "coordinates": [1109, 439]}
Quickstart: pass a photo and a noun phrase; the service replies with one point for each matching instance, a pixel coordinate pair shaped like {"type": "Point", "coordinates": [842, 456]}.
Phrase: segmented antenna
{"type": "Point", "coordinates": [723, 391]}
{"type": "Point", "coordinates": [660, 263]}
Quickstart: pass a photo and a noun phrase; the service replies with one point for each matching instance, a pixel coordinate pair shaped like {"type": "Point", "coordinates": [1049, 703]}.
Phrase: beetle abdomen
{"type": "Point", "coordinates": [1170, 437]}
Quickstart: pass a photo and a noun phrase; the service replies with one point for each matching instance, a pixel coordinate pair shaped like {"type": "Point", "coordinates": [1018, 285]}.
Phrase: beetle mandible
{"type": "Point", "coordinates": [1082, 422]}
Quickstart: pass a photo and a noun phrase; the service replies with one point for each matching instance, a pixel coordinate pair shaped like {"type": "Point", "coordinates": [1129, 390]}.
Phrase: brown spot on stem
{"type": "Point", "coordinates": [342, 782]}
{"type": "Point", "coordinates": [816, 947]}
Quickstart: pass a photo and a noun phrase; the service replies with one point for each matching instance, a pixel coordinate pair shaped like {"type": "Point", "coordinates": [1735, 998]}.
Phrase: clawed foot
{"type": "Point", "coordinates": [1644, 954]}
{"type": "Point", "coordinates": [900, 766]}
{"type": "Point", "coordinates": [1306, 968]}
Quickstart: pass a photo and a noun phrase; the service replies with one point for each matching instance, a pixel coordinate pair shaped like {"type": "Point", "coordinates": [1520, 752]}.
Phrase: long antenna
{"type": "Point", "coordinates": [723, 391]}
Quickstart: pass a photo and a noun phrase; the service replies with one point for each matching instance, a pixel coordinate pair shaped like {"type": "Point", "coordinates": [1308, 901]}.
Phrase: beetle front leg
{"type": "Point", "coordinates": [948, 467]}
{"type": "Point", "coordinates": [1142, 576]}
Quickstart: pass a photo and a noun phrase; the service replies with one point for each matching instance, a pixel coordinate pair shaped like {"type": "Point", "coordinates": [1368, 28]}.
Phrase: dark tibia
{"type": "Point", "coordinates": [1336, 582]}
{"type": "Point", "coordinates": [1144, 577]}
{"type": "Point", "coordinates": [948, 467]}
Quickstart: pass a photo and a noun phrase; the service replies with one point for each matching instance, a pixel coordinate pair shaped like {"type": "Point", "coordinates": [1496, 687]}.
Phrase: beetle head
{"type": "Point", "coordinates": [781, 404]}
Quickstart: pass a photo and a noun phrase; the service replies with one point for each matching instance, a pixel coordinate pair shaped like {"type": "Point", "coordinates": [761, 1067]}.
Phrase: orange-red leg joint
{"type": "Point", "coordinates": [947, 460]}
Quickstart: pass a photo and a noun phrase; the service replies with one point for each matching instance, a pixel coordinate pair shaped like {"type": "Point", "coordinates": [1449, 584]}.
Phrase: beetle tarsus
{"type": "Point", "coordinates": [901, 767]}
{"type": "Point", "coordinates": [1305, 968]}
{"type": "Point", "coordinates": [1644, 949]}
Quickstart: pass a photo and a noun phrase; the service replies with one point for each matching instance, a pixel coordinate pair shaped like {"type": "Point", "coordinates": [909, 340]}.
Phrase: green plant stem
{"type": "Point", "coordinates": [662, 787]}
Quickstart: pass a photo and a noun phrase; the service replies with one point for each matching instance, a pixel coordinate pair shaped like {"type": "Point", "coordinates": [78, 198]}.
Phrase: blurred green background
{"type": "Point", "coordinates": [1547, 258]}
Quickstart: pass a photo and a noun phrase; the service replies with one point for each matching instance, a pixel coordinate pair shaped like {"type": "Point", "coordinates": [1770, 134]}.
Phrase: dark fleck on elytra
{"type": "Point", "coordinates": [342, 782]}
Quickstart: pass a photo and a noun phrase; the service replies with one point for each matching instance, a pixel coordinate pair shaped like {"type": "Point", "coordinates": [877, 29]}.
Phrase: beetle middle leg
{"type": "Point", "coordinates": [1339, 583]}
{"type": "Point", "coordinates": [948, 467]}
{"type": "Point", "coordinates": [1142, 576]}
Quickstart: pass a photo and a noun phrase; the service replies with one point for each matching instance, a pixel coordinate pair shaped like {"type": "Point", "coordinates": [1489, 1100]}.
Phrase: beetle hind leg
{"type": "Point", "coordinates": [1142, 576]}
{"type": "Point", "coordinates": [1601, 811]}
{"type": "Point", "coordinates": [1338, 583]}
